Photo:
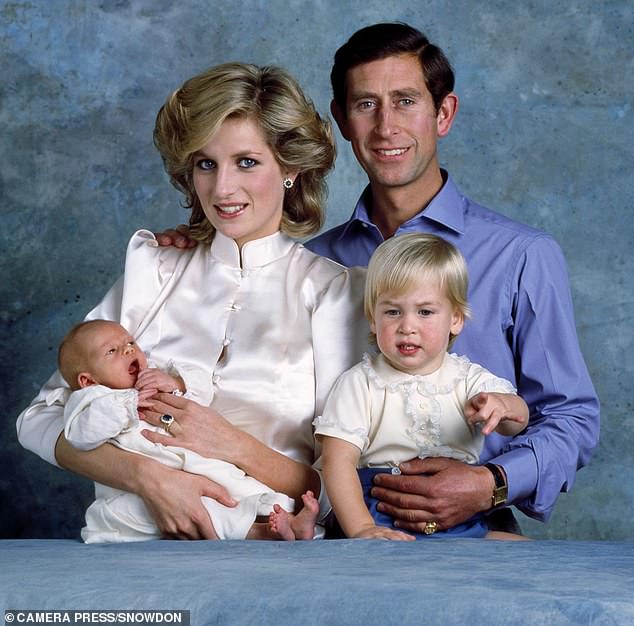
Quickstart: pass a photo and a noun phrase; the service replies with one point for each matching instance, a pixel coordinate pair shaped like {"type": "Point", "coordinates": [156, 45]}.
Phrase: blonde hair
{"type": "Point", "coordinates": [71, 355]}
{"type": "Point", "coordinates": [299, 138]}
{"type": "Point", "coordinates": [405, 261]}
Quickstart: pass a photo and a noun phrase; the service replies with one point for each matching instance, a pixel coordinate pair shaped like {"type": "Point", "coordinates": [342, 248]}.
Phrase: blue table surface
{"type": "Point", "coordinates": [453, 581]}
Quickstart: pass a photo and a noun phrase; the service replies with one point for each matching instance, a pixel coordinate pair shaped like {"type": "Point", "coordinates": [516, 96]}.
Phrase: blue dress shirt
{"type": "Point", "coordinates": [522, 328]}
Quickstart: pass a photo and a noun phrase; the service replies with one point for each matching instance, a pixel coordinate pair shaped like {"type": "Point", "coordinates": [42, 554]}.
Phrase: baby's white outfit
{"type": "Point", "coordinates": [97, 414]}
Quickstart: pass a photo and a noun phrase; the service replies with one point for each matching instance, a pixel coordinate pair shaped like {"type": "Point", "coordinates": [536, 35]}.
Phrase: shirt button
{"type": "Point", "coordinates": [226, 342]}
{"type": "Point", "coordinates": [215, 379]}
{"type": "Point", "coordinates": [236, 307]}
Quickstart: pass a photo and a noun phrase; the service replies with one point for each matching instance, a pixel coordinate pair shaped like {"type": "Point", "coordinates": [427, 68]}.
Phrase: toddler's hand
{"type": "Point", "coordinates": [489, 409]}
{"type": "Point", "coordinates": [382, 532]}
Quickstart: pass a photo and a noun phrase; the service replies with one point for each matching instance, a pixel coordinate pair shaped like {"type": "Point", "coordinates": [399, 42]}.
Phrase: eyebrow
{"type": "Point", "coordinates": [242, 154]}
{"type": "Point", "coordinates": [406, 92]}
{"type": "Point", "coordinates": [417, 304]}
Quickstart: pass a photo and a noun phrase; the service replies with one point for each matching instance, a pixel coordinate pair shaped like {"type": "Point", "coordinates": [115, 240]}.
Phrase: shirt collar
{"type": "Point", "coordinates": [446, 208]}
{"type": "Point", "coordinates": [388, 374]}
{"type": "Point", "coordinates": [255, 253]}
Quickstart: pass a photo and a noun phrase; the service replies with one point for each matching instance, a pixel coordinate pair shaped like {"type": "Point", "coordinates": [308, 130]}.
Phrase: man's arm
{"type": "Point", "coordinates": [553, 378]}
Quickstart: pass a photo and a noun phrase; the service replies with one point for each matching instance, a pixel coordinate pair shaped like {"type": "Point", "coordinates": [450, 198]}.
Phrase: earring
{"type": "Point", "coordinates": [288, 183]}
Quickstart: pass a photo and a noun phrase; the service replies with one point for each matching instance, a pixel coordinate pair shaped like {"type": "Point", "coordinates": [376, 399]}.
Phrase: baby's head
{"type": "Point", "coordinates": [423, 274]}
{"type": "Point", "coordinates": [100, 352]}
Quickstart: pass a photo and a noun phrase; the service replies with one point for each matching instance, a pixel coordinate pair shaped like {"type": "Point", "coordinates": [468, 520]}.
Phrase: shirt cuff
{"type": "Point", "coordinates": [520, 466]}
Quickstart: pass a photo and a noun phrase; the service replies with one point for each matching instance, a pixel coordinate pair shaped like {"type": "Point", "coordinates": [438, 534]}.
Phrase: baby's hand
{"type": "Point", "coordinates": [489, 409]}
{"type": "Point", "coordinates": [157, 380]}
{"type": "Point", "coordinates": [144, 395]}
{"type": "Point", "coordinates": [382, 532]}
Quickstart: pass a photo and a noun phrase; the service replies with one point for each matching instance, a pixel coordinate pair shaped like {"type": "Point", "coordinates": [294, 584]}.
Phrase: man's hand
{"type": "Point", "coordinates": [445, 491]}
{"type": "Point", "coordinates": [177, 237]}
{"type": "Point", "coordinates": [173, 498]}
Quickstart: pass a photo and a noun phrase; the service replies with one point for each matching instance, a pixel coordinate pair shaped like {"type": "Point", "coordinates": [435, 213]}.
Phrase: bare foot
{"type": "Point", "coordinates": [291, 527]}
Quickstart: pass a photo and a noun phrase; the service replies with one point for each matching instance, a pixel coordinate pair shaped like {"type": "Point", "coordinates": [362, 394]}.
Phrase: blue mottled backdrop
{"type": "Point", "coordinates": [544, 135]}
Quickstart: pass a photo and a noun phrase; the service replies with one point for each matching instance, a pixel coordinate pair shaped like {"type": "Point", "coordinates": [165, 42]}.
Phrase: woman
{"type": "Point", "coordinates": [272, 322]}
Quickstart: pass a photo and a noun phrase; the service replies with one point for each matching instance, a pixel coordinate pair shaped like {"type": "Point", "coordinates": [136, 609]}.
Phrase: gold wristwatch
{"type": "Point", "coordinates": [501, 488]}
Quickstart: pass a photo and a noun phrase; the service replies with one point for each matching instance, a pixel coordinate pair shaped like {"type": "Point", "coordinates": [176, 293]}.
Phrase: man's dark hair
{"type": "Point", "coordinates": [380, 41]}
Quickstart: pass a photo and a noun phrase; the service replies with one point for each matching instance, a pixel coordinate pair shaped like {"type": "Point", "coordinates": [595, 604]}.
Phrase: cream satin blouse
{"type": "Point", "coordinates": [273, 324]}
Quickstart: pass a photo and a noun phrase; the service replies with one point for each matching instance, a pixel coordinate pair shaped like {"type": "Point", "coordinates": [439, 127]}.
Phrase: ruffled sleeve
{"type": "Point", "coordinates": [96, 414]}
{"type": "Point", "coordinates": [347, 412]}
{"type": "Point", "coordinates": [133, 301]}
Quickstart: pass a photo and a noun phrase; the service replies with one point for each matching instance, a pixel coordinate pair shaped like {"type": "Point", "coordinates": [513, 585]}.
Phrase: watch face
{"type": "Point", "coordinates": [499, 496]}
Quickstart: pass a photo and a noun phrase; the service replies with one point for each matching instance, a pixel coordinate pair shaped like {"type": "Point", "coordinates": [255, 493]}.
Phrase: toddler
{"type": "Point", "coordinates": [413, 398]}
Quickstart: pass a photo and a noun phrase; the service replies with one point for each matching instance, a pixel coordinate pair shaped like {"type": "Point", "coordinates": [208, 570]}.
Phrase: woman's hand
{"type": "Point", "coordinates": [203, 430]}
{"type": "Point", "coordinates": [173, 498]}
{"type": "Point", "coordinates": [197, 428]}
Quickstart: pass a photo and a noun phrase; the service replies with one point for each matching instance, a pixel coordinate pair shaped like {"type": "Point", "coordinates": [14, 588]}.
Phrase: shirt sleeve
{"type": "Point", "coordinates": [481, 380]}
{"type": "Point", "coordinates": [347, 412]}
{"type": "Point", "coordinates": [553, 380]}
{"type": "Point", "coordinates": [94, 415]}
{"type": "Point", "coordinates": [339, 331]}
{"type": "Point", "coordinates": [41, 423]}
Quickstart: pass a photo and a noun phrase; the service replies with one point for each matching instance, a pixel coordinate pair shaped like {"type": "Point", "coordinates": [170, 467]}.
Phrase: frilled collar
{"type": "Point", "coordinates": [254, 253]}
{"type": "Point", "coordinates": [443, 380]}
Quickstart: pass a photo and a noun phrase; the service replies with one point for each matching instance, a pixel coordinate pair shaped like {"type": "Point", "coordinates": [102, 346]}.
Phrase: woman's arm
{"type": "Point", "coordinates": [172, 496]}
{"type": "Point", "coordinates": [206, 432]}
{"type": "Point", "coordinates": [340, 459]}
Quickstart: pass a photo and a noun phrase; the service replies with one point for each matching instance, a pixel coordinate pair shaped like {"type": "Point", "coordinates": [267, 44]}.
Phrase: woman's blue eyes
{"type": "Point", "coordinates": [208, 165]}
{"type": "Point", "coordinates": [205, 164]}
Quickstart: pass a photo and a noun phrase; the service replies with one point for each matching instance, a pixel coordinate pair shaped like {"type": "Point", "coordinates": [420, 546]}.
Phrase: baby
{"type": "Point", "coordinates": [413, 398]}
{"type": "Point", "coordinates": [109, 377]}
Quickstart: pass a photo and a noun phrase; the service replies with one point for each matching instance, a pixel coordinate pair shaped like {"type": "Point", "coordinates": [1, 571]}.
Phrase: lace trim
{"type": "Point", "coordinates": [335, 423]}
{"type": "Point", "coordinates": [424, 417]}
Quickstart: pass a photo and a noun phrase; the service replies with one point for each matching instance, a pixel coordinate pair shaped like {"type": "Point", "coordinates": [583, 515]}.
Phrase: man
{"type": "Point", "coordinates": [393, 100]}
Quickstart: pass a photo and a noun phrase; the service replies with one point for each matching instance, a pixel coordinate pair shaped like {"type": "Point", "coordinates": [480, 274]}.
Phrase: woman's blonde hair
{"type": "Point", "coordinates": [405, 261]}
{"type": "Point", "coordinates": [299, 138]}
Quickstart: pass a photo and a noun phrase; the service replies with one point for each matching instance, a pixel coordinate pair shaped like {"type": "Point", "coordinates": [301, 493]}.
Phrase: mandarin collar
{"type": "Point", "coordinates": [256, 253]}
